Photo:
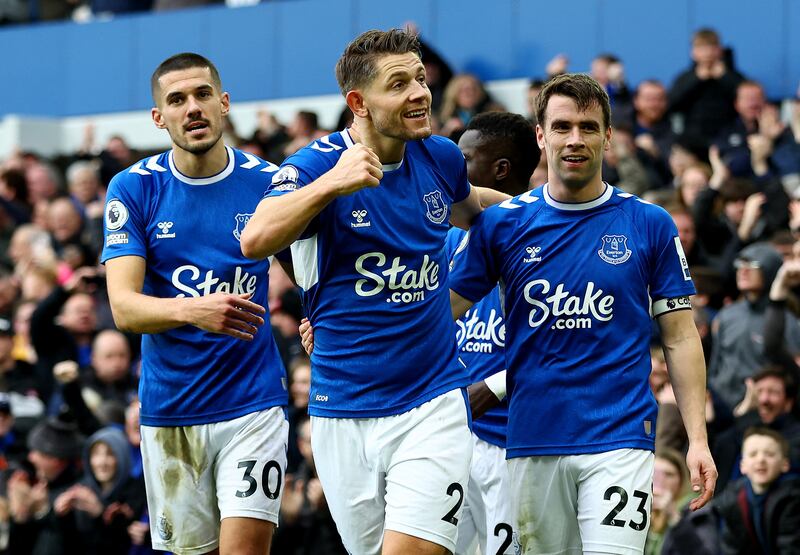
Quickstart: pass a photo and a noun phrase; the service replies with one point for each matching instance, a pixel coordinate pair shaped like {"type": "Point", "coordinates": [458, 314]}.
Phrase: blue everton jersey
{"type": "Point", "coordinates": [576, 282]}
{"type": "Point", "coordinates": [481, 337]}
{"type": "Point", "coordinates": [373, 270]}
{"type": "Point", "coordinates": [188, 231]}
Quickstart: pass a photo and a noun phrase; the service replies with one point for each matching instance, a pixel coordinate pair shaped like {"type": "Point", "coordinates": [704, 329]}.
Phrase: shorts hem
{"type": "Point", "coordinates": [250, 513]}
{"type": "Point", "coordinates": [427, 535]}
{"type": "Point", "coordinates": [200, 550]}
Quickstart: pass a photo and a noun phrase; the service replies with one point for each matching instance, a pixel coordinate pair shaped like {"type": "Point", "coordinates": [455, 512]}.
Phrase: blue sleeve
{"type": "Point", "coordinates": [475, 269]}
{"type": "Point", "coordinates": [452, 165]}
{"type": "Point", "coordinates": [454, 237]}
{"type": "Point", "coordinates": [125, 227]}
{"type": "Point", "coordinates": [669, 275]}
{"type": "Point", "coordinates": [300, 169]}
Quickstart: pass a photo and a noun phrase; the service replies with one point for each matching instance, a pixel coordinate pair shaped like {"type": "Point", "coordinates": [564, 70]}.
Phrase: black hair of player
{"type": "Point", "coordinates": [581, 88]}
{"type": "Point", "coordinates": [512, 137]}
{"type": "Point", "coordinates": [179, 62]}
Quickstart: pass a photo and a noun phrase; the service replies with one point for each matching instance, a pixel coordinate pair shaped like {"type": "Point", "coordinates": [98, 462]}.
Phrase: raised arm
{"type": "Point", "coordinates": [684, 355]}
{"type": "Point", "coordinates": [279, 221]}
{"type": "Point", "coordinates": [136, 312]}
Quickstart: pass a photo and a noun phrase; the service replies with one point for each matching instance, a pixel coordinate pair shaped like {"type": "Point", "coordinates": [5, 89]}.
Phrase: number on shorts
{"type": "Point", "coordinates": [252, 484]}
{"type": "Point", "coordinates": [609, 520]}
{"type": "Point", "coordinates": [503, 527]}
{"type": "Point", "coordinates": [450, 517]}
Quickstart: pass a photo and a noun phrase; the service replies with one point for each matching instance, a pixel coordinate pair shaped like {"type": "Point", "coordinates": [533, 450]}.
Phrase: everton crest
{"type": "Point", "coordinates": [241, 221]}
{"type": "Point", "coordinates": [614, 249]}
{"type": "Point", "coordinates": [435, 208]}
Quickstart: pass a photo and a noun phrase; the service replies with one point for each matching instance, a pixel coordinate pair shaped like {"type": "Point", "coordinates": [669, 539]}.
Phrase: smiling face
{"type": "Point", "coordinates": [190, 107]}
{"type": "Point", "coordinates": [762, 461]}
{"type": "Point", "coordinates": [397, 100]}
{"type": "Point", "coordinates": [103, 463]}
{"type": "Point", "coordinates": [574, 142]}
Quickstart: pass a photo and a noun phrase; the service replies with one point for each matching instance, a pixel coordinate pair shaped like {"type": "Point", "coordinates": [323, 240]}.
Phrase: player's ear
{"type": "Point", "coordinates": [540, 137]}
{"type": "Point", "coordinates": [608, 138]}
{"type": "Point", "coordinates": [355, 101]}
{"type": "Point", "coordinates": [502, 167]}
{"type": "Point", "coordinates": [225, 99]}
{"type": "Point", "coordinates": [158, 118]}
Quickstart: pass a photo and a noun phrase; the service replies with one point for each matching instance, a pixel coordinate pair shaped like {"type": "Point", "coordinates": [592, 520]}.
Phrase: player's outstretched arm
{"type": "Point", "coordinates": [133, 311]}
{"type": "Point", "coordinates": [280, 220]}
{"type": "Point", "coordinates": [684, 355]}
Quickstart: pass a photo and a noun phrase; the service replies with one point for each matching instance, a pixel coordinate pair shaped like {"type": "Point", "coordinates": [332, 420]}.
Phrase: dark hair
{"type": "Point", "coordinates": [778, 371]}
{"type": "Point", "coordinates": [17, 183]}
{"type": "Point", "coordinates": [583, 89]}
{"type": "Point", "coordinates": [178, 62]}
{"type": "Point", "coordinates": [309, 118]}
{"type": "Point", "coordinates": [769, 432]}
{"type": "Point", "coordinates": [356, 66]}
{"type": "Point", "coordinates": [513, 137]}
{"type": "Point", "coordinates": [706, 35]}
{"type": "Point", "coordinates": [650, 81]}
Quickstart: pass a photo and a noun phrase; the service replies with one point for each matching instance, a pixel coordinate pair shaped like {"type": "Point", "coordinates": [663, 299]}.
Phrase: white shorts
{"type": "Point", "coordinates": [198, 475]}
{"type": "Point", "coordinates": [406, 472]}
{"type": "Point", "coordinates": [583, 503]}
{"type": "Point", "coordinates": [487, 506]}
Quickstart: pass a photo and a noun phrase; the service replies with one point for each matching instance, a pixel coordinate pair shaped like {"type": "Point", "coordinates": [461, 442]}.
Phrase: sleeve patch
{"type": "Point", "coordinates": [682, 258]}
{"type": "Point", "coordinates": [286, 175]}
{"type": "Point", "coordinates": [116, 215]}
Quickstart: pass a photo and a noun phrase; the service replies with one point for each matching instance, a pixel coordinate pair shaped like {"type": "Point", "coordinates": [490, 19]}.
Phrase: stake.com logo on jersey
{"type": "Point", "coordinates": [405, 285]}
{"type": "Point", "coordinates": [571, 311]}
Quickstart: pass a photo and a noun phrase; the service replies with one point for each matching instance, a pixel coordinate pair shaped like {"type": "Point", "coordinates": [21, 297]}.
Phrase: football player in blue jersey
{"type": "Point", "coordinates": [501, 153]}
{"type": "Point", "coordinates": [366, 213]}
{"type": "Point", "coordinates": [579, 264]}
{"type": "Point", "coordinates": [212, 388]}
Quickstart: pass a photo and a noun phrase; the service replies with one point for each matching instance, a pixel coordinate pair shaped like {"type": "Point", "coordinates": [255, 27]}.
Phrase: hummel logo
{"type": "Point", "coordinates": [533, 254]}
{"type": "Point", "coordinates": [359, 216]}
{"type": "Point", "coordinates": [164, 227]}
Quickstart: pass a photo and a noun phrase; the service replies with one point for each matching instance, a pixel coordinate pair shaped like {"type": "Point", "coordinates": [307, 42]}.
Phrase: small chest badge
{"type": "Point", "coordinates": [614, 249]}
{"type": "Point", "coordinates": [241, 221]}
{"type": "Point", "coordinates": [436, 209]}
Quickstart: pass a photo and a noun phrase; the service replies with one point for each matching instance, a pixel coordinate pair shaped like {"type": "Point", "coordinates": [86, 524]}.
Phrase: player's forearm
{"type": "Point", "coordinates": [490, 197]}
{"type": "Point", "coordinates": [459, 305]}
{"type": "Point", "coordinates": [279, 221]}
{"type": "Point", "coordinates": [140, 313]}
{"type": "Point", "coordinates": [687, 370]}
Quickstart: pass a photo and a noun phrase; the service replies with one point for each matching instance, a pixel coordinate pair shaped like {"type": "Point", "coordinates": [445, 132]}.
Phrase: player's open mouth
{"type": "Point", "coordinates": [574, 160]}
{"type": "Point", "coordinates": [416, 114]}
{"type": "Point", "coordinates": [197, 128]}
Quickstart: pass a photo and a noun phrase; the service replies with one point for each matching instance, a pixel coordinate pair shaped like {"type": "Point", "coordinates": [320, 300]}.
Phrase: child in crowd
{"type": "Point", "coordinates": [761, 513]}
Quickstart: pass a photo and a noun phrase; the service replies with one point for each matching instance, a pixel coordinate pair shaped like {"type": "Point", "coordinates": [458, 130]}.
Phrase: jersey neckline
{"type": "Point", "coordinates": [348, 142]}
{"type": "Point", "coordinates": [577, 205]}
{"type": "Point", "coordinates": [202, 180]}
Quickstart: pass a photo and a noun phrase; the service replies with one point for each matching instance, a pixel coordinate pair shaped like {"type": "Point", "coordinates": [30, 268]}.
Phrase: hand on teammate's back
{"type": "Point", "coordinates": [229, 314]}
{"type": "Point", "coordinates": [307, 336]}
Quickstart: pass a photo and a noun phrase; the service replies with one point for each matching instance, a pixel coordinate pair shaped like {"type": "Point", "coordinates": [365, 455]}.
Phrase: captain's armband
{"type": "Point", "coordinates": [662, 306]}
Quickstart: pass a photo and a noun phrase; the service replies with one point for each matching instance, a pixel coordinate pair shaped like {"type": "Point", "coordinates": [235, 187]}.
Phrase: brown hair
{"type": "Point", "coordinates": [706, 35]}
{"type": "Point", "coordinates": [356, 67]}
{"type": "Point", "coordinates": [768, 432]}
{"type": "Point", "coordinates": [584, 90]}
{"type": "Point", "coordinates": [178, 62]}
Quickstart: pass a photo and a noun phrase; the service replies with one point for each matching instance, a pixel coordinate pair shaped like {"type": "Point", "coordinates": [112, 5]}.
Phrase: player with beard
{"type": "Point", "coordinates": [501, 153]}
{"type": "Point", "coordinates": [366, 213]}
{"type": "Point", "coordinates": [582, 265]}
{"type": "Point", "coordinates": [212, 385]}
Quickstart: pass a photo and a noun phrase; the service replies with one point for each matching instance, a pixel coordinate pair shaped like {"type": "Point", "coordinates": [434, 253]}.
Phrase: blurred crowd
{"type": "Point", "coordinates": [718, 155]}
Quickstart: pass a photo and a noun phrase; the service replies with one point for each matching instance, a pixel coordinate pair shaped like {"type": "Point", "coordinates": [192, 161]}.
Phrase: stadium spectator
{"type": "Point", "coordinates": [738, 329]}
{"type": "Point", "coordinates": [106, 500]}
{"type": "Point", "coordinates": [270, 136]}
{"type": "Point", "coordinates": [695, 178]}
{"type": "Point", "coordinates": [609, 71]}
{"type": "Point", "coordinates": [464, 97]}
{"type": "Point", "coordinates": [54, 451]}
{"type": "Point", "coordinates": [44, 183]}
{"type": "Point", "coordinates": [670, 486]}
{"type": "Point", "coordinates": [303, 129]}
{"type": "Point", "coordinates": [761, 512]}
{"type": "Point", "coordinates": [66, 226]}
{"type": "Point", "coordinates": [652, 129]}
{"type": "Point", "coordinates": [621, 166]}
{"type": "Point", "coordinates": [14, 195]}
{"type": "Point", "coordinates": [704, 94]}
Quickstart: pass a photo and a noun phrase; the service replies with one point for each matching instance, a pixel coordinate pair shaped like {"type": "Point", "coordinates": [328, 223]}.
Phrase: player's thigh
{"type": "Point", "coordinates": [545, 505]}
{"type": "Point", "coordinates": [428, 470]}
{"type": "Point", "coordinates": [241, 536]}
{"type": "Point", "coordinates": [181, 492]}
{"type": "Point", "coordinates": [398, 543]}
{"type": "Point", "coordinates": [346, 458]}
{"type": "Point", "coordinates": [250, 468]}
{"type": "Point", "coordinates": [614, 501]}
{"type": "Point", "coordinates": [493, 490]}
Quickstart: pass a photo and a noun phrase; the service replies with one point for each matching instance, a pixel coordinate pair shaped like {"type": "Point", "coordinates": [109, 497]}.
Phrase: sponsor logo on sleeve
{"type": "Point", "coordinates": [116, 215]}
{"type": "Point", "coordinates": [116, 239]}
{"type": "Point", "coordinates": [285, 179]}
